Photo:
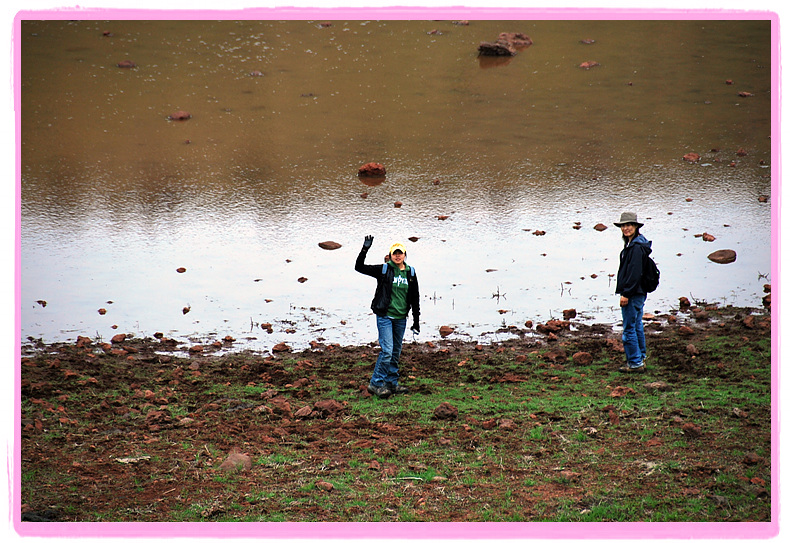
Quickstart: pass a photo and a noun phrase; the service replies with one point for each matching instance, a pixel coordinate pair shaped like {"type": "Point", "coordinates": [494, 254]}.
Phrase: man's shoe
{"type": "Point", "coordinates": [632, 369]}
{"type": "Point", "coordinates": [398, 389]}
{"type": "Point", "coordinates": [381, 392]}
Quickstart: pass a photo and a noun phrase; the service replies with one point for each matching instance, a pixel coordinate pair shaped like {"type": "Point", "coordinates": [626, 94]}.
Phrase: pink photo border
{"type": "Point", "coordinates": [410, 531]}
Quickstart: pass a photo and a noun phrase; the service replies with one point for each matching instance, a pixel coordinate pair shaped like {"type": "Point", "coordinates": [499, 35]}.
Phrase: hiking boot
{"type": "Point", "coordinates": [632, 369]}
{"type": "Point", "coordinates": [380, 392]}
{"type": "Point", "coordinates": [398, 389]}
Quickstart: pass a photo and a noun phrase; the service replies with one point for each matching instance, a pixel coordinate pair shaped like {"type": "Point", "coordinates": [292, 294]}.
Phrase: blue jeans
{"type": "Point", "coordinates": [391, 341]}
{"type": "Point", "coordinates": [633, 331]}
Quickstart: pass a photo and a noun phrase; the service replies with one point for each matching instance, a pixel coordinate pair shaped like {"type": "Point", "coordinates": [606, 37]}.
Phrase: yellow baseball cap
{"type": "Point", "coordinates": [398, 247]}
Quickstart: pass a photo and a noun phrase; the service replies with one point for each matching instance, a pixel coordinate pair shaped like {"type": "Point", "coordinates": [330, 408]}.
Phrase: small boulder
{"type": "Point", "coordinates": [445, 331]}
{"type": "Point", "coordinates": [329, 245]}
{"type": "Point", "coordinates": [722, 256]}
{"type": "Point", "coordinates": [582, 358]}
{"type": "Point", "coordinates": [445, 411]}
{"type": "Point", "coordinates": [372, 169]}
{"type": "Point", "coordinates": [236, 462]}
{"type": "Point", "coordinates": [180, 116]}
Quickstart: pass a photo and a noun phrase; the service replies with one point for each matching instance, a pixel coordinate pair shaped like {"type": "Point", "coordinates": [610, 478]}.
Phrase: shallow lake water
{"type": "Point", "coordinates": [502, 168]}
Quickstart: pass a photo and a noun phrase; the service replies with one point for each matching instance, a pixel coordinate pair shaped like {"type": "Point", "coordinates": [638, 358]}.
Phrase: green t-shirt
{"type": "Point", "coordinates": [398, 308]}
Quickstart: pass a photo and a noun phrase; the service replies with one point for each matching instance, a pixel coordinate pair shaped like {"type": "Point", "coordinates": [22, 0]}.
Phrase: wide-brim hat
{"type": "Point", "coordinates": [628, 217]}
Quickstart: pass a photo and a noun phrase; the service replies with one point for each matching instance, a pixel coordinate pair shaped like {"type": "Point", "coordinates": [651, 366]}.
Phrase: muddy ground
{"type": "Point", "coordinates": [140, 429]}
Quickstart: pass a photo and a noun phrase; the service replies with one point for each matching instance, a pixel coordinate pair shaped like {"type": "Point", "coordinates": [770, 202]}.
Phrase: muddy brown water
{"type": "Point", "coordinates": [115, 197]}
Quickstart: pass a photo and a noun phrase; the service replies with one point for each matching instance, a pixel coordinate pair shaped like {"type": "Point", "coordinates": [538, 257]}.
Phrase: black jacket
{"type": "Point", "coordinates": [632, 259]}
{"type": "Point", "coordinates": [384, 275]}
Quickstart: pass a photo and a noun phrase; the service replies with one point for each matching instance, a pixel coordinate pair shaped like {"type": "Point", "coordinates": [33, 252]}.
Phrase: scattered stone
{"type": "Point", "coordinates": [304, 412]}
{"type": "Point", "coordinates": [236, 462]}
{"type": "Point", "coordinates": [181, 270]}
{"type": "Point", "coordinates": [302, 279]}
{"type": "Point", "coordinates": [281, 348]}
{"type": "Point", "coordinates": [325, 486]}
{"type": "Point", "coordinates": [691, 350]}
{"type": "Point", "coordinates": [657, 385]}
{"type": "Point", "coordinates": [180, 116]}
{"type": "Point", "coordinates": [588, 64]}
{"type": "Point", "coordinates": [684, 302]}
{"type": "Point", "coordinates": [102, 311]}
{"type": "Point", "coordinates": [446, 411]}
{"type": "Point", "coordinates": [568, 314]}
{"type": "Point", "coordinates": [582, 358]}
{"type": "Point", "coordinates": [708, 237]}
{"type": "Point", "coordinates": [118, 338]}
{"type": "Point", "coordinates": [327, 408]}
{"type": "Point", "coordinates": [752, 458]}
{"type": "Point", "coordinates": [507, 44]}
{"type": "Point", "coordinates": [445, 331]}
{"type": "Point", "coordinates": [691, 430]}
{"type": "Point", "coordinates": [329, 245]}
{"type": "Point", "coordinates": [620, 391]}
{"type": "Point", "coordinates": [685, 330]}
{"type": "Point", "coordinates": [398, 205]}
{"type": "Point", "coordinates": [126, 64]}
{"type": "Point", "coordinates": [372, 169]}
{"type": "Point", "coordinates": [555, 356]}
{"type": "Point", "coordinates": [739, 413]}
{"type": "Point", "coordinates": [600, 227]}
{"type": "Point", "coordinates": [196, 349]}
{"type": "Point", "coordinates": [722, 256]}
{"type": "Point", "coordinates": [691, 157]}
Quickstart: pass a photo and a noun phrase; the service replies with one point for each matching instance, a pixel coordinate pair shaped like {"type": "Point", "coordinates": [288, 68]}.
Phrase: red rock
{"type": "Point", "coordinates": [582, 358]}
{"type": "Point", "coordinates": [691, 350]}
{"type": "Point", "coordinates": [568, 314]}
{"type": "Point", "coordinates": [588, 64]}
{"type": "Point", "coordinates": [446, 411]}
{"type": "Point", "coordinates": [118, 338]}
{"type": "Point", "coordinates": [325, 486]}
{"type": "Point", "coordinates": [102, 311]}
{"type": "Point", "coordinates": [708, 237]}
{"type": "Point", "coordinates": [304, 412]}
{"type": "Point", "coordinates": [180, 116]}
{"type": "Point", "coordinates": [445, 331]}
{"type": "Point", "coordinates": [691, 157]}
{"type": "Point", "coordinates": [236, 461]}
{"type": "Point", "coordinates": [398, 204]}
{"type": "Point", "coordinates": [302, 279]}
{"type": "Point", "coordinates": [372, 169]}
{"type": "Point", "coordinates": [126, 64]}
{"type": "Point", "coordinates": [685, 331]}
{"type": "Point", "coordinates": [195, 349]}
{"type": "Point", "coordinates": [281, 348]}
{"type": "Point", "coordinates": [600, 227]}
{"type": "Point", "coordinates": [722, 256]}
{"type": "Point", "coordinates": [327, 408]}
{"type": "Point", "coordinates": [329, 245]}
{"type": "Point", "coordinates": [684, 302]}
{"type": "Point", "coordinates": [181, 270]}
{"type": "Point", "coordinates": [691, 430]}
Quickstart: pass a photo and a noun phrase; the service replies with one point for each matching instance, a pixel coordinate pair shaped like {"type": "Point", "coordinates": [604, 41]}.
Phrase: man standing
{"type": "Point", "coordinates": [632, 294]}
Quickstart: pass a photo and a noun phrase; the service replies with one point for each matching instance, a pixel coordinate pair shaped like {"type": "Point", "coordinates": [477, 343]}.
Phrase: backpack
{"type": "Point", "coordinates": [650, 274]}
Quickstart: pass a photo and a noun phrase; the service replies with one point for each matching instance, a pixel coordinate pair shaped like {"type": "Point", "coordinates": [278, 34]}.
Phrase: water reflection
{"type": "Point", "coordinates": [115, 197]}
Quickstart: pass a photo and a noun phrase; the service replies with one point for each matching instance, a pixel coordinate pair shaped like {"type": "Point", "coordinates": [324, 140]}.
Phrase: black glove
{"type": "Point", "coordinates": [415, 327]}
{"type": "Point", "coordinates": [368, 242]}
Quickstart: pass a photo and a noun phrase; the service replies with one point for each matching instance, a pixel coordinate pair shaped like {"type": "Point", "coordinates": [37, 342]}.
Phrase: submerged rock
{"type": "Point", "coordinates": [372, 169]}
{"type": "Point", "coordinates": [506, 44]}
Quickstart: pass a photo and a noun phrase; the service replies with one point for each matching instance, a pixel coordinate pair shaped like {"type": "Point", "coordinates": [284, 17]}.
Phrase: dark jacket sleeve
{"type": "Point", "coordinates": [414, 298]}
{"type": "Point", "coordinates": [367, 269]}
{"type": "Point", "coordinates": [629, 279]}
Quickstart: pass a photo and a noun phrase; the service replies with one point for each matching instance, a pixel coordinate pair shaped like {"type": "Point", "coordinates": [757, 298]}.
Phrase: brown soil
{"type": "Point", "coordinates": [95, 414]}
